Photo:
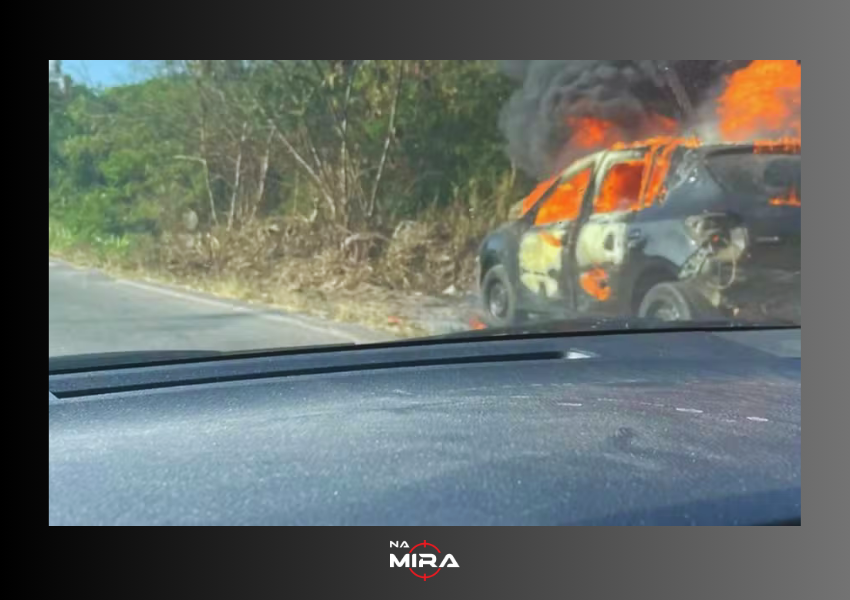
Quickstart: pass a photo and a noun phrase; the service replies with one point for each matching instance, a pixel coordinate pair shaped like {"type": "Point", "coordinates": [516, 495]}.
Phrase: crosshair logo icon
{"type": "Point", "coordinates": [425, 546]}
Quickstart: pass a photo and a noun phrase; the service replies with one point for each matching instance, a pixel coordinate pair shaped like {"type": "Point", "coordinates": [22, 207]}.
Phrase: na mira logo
{"type": "Point", "coordinates": [423, 560]}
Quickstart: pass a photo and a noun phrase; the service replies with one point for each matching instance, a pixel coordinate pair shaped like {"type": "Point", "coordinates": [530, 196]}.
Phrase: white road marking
{"type": "Point", "coordinates": [52, 264]}
{"type": "Point", "coordinates": [574, 404]}
{"type": "Point", "coordinates": [758, 419]}
{"type": "Point", "coordinates": [695, 411]}
{"type": "Point", "coordinates": [239, 309]}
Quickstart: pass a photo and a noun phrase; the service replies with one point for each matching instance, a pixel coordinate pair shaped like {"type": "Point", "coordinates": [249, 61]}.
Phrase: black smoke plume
{"type": "Point", "coordinates": [624, 92]}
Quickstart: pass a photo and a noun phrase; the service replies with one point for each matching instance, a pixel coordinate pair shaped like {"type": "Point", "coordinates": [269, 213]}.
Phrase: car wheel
{"type": "Point", "coordinates": [674, 302]}
{"type": "Point", "coordinates": [499, 297]}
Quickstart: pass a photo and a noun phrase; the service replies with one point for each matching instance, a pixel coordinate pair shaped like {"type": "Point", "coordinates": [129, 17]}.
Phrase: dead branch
{"type": "Point", "coordinates": [264, 172]}
{"type": "Point", "coordinates": [344, 130]}
{"type": "Point", "coordinates": [237, 176]}
{"type": "Point", "coordinates": [387, 140]}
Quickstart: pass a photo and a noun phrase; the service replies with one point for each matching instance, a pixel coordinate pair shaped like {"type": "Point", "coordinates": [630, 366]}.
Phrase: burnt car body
{"type": "Point", "coordinates": [668, 230]}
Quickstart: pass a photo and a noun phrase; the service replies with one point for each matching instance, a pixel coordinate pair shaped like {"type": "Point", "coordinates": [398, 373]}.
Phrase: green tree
{"type": "Point", "coordinates": [353, 145]}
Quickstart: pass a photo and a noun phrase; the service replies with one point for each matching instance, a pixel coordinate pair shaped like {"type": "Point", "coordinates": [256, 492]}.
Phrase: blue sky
{"type": "Point", "coordinates": [105, 72]}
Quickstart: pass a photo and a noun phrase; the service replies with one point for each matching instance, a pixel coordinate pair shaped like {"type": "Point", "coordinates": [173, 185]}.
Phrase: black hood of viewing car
{"type": "Point", "coordinates": [658, 428]}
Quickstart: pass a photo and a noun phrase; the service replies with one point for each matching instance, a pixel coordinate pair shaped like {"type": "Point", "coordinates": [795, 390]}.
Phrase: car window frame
{"type": "Point", "coordinates": [609, 160]}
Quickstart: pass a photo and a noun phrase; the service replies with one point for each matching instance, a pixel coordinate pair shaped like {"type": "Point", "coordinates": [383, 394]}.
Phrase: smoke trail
{"type": "Point", "coordinates": [634, 96]}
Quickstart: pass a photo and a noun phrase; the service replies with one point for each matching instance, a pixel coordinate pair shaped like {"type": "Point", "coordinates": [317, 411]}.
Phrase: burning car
{"type": "Point", "coordinates": [669, 228]}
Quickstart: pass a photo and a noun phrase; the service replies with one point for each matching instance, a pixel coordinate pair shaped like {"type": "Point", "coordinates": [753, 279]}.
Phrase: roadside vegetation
{"type": "Point", "coordinates": [336, 187]}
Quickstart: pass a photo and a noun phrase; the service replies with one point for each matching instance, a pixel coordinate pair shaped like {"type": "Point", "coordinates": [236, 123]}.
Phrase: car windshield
{"type": "Point", "coordinates": [219, 206]}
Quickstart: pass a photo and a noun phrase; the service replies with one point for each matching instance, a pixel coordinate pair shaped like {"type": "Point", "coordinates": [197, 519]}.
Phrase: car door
{"type": "Point", "coordinates": [545, 247]}
{"type": "Point", "coordinates": [602, 246]}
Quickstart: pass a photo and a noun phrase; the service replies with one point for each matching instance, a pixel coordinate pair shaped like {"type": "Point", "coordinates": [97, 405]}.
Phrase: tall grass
{"type": "Point", "coordinates": [105, 249]}
{"type": "Point", "coordinates": [430, 254]}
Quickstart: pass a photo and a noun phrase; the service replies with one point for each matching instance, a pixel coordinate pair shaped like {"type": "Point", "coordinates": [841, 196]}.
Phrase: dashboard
{"type": "Point", "coordinates": [656, 428]}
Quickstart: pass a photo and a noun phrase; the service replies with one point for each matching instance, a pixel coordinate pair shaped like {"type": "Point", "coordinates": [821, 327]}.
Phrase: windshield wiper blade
{"type": "Point", "coordinates": [62, 365]}
{"type": "Point", "coordinates": [57, 364]}
{"type": "Point", "coordinates": [591, 325]}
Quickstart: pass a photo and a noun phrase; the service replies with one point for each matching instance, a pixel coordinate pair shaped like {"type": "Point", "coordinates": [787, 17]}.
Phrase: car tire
{"type": "Point", "coordinates": [674, 301]}
{"type": "Point", "coordinates": [499, 298]}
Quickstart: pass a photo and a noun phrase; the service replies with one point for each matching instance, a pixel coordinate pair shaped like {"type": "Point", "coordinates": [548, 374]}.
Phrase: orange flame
{"type": "Point", "coordinates": [630, 185]}
{"type": "Point", "coordinates": [530, 200]}
{"type": "Point", "coordinates": [762, 100]}
{"type": "Point", "coordinates": [592, 132]}
{"type": "Point", "coordinates": [783, 145]}
{"type": "Point", "coordinates": [565, 202]}
{"type": "Point", "coordinates": [793, 199]}
{"type": "Point", "coordinates": [621, 188]}
{"type": "Point", "coordinates": [595, 283]}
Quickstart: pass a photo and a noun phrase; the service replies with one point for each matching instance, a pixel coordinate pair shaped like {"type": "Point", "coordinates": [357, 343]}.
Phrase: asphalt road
{"type": "Point", "coordinates": [90, 312]}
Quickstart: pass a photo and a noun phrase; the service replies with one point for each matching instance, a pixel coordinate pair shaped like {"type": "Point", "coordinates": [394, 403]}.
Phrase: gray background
{"type": "Point", "coordinates": [793, 563]}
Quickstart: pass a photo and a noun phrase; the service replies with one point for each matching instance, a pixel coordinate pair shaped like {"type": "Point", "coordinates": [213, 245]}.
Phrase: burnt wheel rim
{"type": "Point", "coordinates": [497, 300]}
{"type": "Point", "coordinates": [664, 311]}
